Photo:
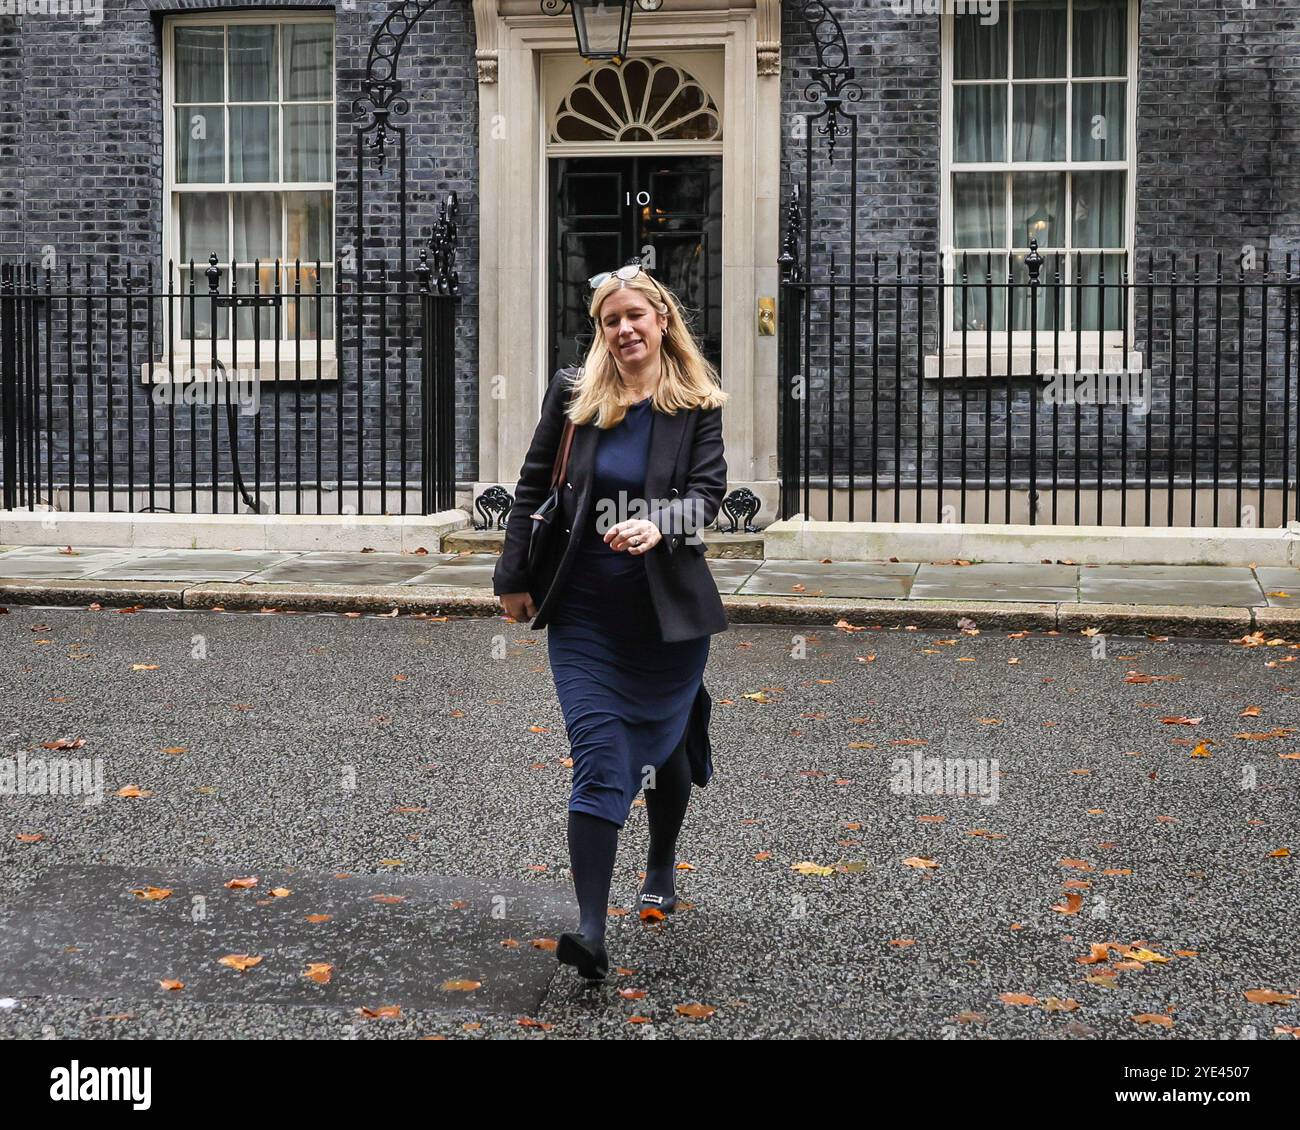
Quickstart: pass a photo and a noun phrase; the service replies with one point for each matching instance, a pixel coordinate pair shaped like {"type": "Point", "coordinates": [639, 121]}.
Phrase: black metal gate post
{"type": "Point", "coordinates": [9, 430]}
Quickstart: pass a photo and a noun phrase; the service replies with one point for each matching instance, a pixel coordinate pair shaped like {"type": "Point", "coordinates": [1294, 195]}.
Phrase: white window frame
{"type": "Point", "coordinates": [1003, 342]}
{"type": "Point", "coordinates": [265, 348]}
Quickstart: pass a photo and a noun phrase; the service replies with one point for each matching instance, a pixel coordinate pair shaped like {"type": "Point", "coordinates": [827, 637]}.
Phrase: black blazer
{"type": "Point", "coordinates": [685, 461]}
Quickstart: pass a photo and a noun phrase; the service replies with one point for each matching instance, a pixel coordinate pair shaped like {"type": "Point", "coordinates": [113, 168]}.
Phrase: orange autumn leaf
{"type": "Point", "coordinates": [1269, 996]}
{"type": "Point", "coordinates": [1098, 951]}
{"type": "Point", "coordinates": [171, 986]}
{"type": "Point", "coordinates": [383, 1012]}
{"type": "Point", "coordinates": [631, 994]}
{"type": "Point", "coordinates": [317, 919]}
{"type": "Point", "coordinates": [544, 943]}
{"type": "Point", "coordinates": [695, 1011]}
{"type": "Point", "coordinates": [1017, 998]}
{"type": "Point", "coordinates": [1078, 864]}
{"type": "Point", "coordinates": [30, 837]}
{"type": "Point", "coordinates": [319, 971]}
{"type": "Point", "coordinates": [151, 894]}
{"type": "Point", "coordinates": [1070, 906]}
{"type": "Point", "coordinates": [240, 961]}
{"type": "Point", "coordinates": [1280, 853]}
{"type": "Point", "coordinates": [639, 1020]}
{"type": "Point", "coordinates": [1154, 1018]}
{"type": "Point", "coordinates": [1249, 712]}
{"type": "Point", "coordinates": [133, 791]}
{"type": "Point", "coordinates": [919, 861]}
{"type": "Point", "coordinates": [241, 884]}
{"type": "Point", "coordinates": [281, 892]}
{"type": "Point", "coordinates": [1181, 720]}
{"type": "Point", "coordinates": [461, 986]}
{"type": "Point", "coordinates": [529, 1022]}
{"type": "Point", "coordinates": [1055, 1004]}
{"type": "Point", "coordinates": [388, 898]}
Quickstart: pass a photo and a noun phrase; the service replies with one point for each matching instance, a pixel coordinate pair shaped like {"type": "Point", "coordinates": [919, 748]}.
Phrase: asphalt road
{"type": "Point", "coordinates": [422, 760]}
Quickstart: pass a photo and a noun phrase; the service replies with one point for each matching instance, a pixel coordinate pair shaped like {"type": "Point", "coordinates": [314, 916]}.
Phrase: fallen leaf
{"type": "Point", "coordinates": [319, 971]}
{"type": "Point", "coordinates": [695, 1011]}
{"type": "Point", "coordinates": [240, 961]}
{"type": "Point", "coordinates": [807, 867]}
{"type": "Point", "coordinates": [1270, 996]}
{"type": "Point", "coordinates": [1017, 998]}
{"type": "Point", "coordinates": [919, 861]}
{"type": "Point", "coordinates": [383, 1012]}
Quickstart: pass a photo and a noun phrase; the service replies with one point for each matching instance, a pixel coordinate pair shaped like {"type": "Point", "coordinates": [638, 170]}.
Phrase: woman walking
{"type": "Point", "coordinates": [626, 593]}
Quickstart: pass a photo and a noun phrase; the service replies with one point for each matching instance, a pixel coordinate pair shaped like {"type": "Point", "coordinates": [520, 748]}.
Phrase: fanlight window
{"type": "Point", "coordinates": [642, 100]}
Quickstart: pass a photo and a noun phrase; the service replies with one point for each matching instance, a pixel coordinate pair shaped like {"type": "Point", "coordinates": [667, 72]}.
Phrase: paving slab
{"type": "Point", "coordinates": [729, 573]}
{"type": "Point", "coordinates": [346, 569]}
{"type": "Point", "coordinates": [193, 565]}
{"type": "Point", "coordinates": [1281, 586]}
{"type": "Point", "coordinates": [81, 932]}
{"type": "Point", "coordinates": [49, 562]}
{"type": "Point", "coordinates": [811, 582]}
{"type": "Point", "coordinates": [473, 570]}
{"type": "Point", "coordinates": [1166, 585]}
{"type": "Point", "coordinates": [994, 581]}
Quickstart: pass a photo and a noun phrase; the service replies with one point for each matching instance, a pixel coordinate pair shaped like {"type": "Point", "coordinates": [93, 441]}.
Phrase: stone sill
{"type": "Point", "coordinates": [1019, 361]}
{"type": "Point", "coordinates": [243, 369]}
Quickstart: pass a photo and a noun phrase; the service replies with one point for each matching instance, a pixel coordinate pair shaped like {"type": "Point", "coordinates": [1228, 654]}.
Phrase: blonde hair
{"type": "Point", "coordinates": [687, 379]}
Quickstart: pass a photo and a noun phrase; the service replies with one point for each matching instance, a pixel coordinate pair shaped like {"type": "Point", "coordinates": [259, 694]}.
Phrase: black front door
{"type": "Point", "coordinates": [604, 210]}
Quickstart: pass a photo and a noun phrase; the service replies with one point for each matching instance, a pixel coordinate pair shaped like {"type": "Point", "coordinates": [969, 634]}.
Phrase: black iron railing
{"type": "Point", "coordinates": [931, 391]}
{"type": "Point", "coordinates": [254, 387]}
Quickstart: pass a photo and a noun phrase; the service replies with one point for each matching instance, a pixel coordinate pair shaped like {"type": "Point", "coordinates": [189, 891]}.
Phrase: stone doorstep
{"type": "Point", "coordinates": [1186, 621]}
{"type": "Point", "coordinates": [287, 532]}
{"type": "Point", "coordinates": [796, 539]}
{"type": "Point", "coordinates": [719, 545]}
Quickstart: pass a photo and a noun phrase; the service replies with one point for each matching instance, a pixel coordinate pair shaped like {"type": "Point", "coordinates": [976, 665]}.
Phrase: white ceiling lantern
{"type": "Point", "coordinates": [644, 99]}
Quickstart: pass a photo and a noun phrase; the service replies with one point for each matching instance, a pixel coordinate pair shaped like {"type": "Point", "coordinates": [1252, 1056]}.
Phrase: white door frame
{"type": "Point", "coordinates": [513, 224]}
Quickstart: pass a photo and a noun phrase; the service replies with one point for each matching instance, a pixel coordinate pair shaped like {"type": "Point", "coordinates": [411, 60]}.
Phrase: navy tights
{"type": "Point", "coordinates": [593, 844]}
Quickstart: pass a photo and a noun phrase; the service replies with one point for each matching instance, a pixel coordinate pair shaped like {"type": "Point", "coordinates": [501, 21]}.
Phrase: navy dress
{"type": "Point", "coordinates": [625, 693]}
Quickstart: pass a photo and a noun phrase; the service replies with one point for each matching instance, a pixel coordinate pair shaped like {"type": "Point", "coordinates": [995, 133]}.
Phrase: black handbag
{"type": "Point", "coordinates": [541, 538]}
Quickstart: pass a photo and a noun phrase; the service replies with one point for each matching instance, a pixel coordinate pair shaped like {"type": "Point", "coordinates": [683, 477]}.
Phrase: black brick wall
{"type": "Point", "coordinates": [1218, 128]}
{"type": "Point", "coordinates": [81, 160]}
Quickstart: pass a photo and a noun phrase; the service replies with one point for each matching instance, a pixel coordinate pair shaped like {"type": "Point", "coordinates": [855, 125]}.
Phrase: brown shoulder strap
{"type": "Point", "coordinates": [562, 454]}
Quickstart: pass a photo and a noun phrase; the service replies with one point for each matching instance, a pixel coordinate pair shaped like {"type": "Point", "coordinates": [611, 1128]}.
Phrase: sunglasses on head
{"type": "Point", "coordinates": [627, 273]}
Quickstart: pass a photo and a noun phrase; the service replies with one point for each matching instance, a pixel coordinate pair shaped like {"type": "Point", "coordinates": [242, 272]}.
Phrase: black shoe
{"type": "Point", "coordinates": [592, 963]}
{"type": "Point", "coordinates": [652, 907]}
